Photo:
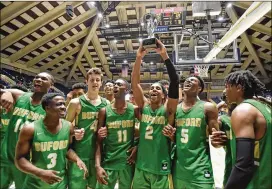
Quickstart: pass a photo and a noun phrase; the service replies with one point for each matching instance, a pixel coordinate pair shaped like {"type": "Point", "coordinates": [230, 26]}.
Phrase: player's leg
{"type": "Point", "coordinates": [181, 184]}
{"type": "Point", "coordinates": [92, 175]}
{"type": "Point", "coordinates": [126, 177]}
{"type": "Point", "coordinates": [141, 180]}
{"type": "Point", "coordinates": [161, 181]}
{"type": "Point", "coordinates": [76, 176]}
{"type": "Point", "coordinates": [112, 179]}
{"type": "Point", "coordinates": [5, 177]}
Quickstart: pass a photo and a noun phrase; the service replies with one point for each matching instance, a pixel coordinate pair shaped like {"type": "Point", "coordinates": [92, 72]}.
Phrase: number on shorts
{"type": "Point", "coordinates": [122, 138]}
{"type": "Point", "coordinates": [94, 126]}
{"type": "Point", "coordinates": [148, 133]}
{"type": "Point", "coordinates": [184, 135]}
{"type": "Point", "coordinates": [53, 158]}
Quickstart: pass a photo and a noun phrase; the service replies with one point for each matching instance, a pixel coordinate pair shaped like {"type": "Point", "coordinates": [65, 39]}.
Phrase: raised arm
{"type": "Point", "coordinates": [173, 92]}
{"type": "Point", "coordinates": [243, 128]}
{"type": "Point", "coordinates": [135, 83]}
{"type": "Point", "coordinates": [100, 172]}
{"type": "Point", "coordinates": [22, 152]}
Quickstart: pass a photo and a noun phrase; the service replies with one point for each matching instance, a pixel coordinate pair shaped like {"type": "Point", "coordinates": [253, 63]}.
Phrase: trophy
{"type": "Point", "coordinates": [151, 24]}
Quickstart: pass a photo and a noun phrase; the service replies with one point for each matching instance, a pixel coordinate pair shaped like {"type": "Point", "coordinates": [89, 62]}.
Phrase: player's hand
{"type": "Point", "coordinates": [79, 133]}
{"type": "Point", "coordinates": [162, 50]}
{"type": "Point", "coordinates": [49, 176]}
{"type": "Point", "coordinates": [101, 175]}
{"type": "Point", "coordinates": [218, 138]}
{"type": "Point", "coordinates": [133, 154]}
{"type": "Point", "coordinates": [7, 101]}
{"type": "Point", "coordinates": [102, 132]}
{"type": "Point", "coordinates": [83, 167]}
{"type": "Point", "coordinates": [169, 131]}
{"type": "Point", "coordinates": [70, 95]}
{"type": "Point", "coordinates": [141, 52]}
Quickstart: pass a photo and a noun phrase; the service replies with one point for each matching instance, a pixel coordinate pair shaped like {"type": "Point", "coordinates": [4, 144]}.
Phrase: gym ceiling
{"type": "Point", "coordinates": [40, 36]}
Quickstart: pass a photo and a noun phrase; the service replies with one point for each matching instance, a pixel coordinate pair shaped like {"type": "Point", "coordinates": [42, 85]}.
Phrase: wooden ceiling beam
{"type": "Point", "coordinates": [58, 47]}
{"type": "Point", "coordinates": [37, 23]}
{"type": "Point", "coordinates": [63, 66]}
{"type": "Point", "coordinates": [101, 55]}
{"type": "Point", "coordinates": [233, 16]}
{"type": "Point", "coordinates": [245, 5]}
{"type": "Point", "coordinates": [84, 47]}
{"type": "Point", "coordinates": [53, 34]}
{"type": "Point", "coordinates": [15, 9]}
{"type": "Point", "coordinates": [261, 28]}
{"type": "Point", "coordinates": [89, 59]}
{"type": "Point", "coordinates": [60, 58]}
{"type": "Point", "coordinates": [23, 67]}
{"type": "Point", "coordinates": [122, 17]}
{"type": "Point", "coordinates": [260, 42]}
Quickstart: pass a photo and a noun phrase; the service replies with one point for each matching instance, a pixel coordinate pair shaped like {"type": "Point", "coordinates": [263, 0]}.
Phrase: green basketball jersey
{"type": "Point", "coordinates": [262, 150]}
{"type": "Point", "coordinates": [192, 161]}
{"type": "Point", "coordinates": [49, 152]}
{"type": "Point", "coordinates": [226, 127]}
{"type": "Point", "coordinates": [5, 116]}
{"type": "Point", "coordinates": [120, 137]}
{"type": "Point", "coordinates": [87, 119]}
{"type": "Point", "coordinates": [23, 112]}
{"type": "Point", "coordinates": [154, 148]}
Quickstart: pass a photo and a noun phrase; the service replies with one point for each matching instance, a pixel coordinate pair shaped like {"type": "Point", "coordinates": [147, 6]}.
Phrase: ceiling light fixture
{"type": "Point", "coordinates": [100, 15]}
{"type": "Point", "coordinates": [142, 24]}
{"type": "Point", "coordinates": [107, 25]}
{"type": "Point", "coordinates": [140, 39]}
{"type": "Point", "coordinates": [125, 61]}
{"type": "Point", "coordinates": [91, 3]}
{"type": "Point", "coordinates": [229, 5]}
{"type": "Point", "coordinates": [115, 41]}
{"type": "Point", "coordinates": [221, 18]}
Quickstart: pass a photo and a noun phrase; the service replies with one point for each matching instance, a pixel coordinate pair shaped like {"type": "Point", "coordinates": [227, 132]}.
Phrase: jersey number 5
{"type": "Point", "coordinates": [148, 133]}
{"type": "Point", "coordinates": [53, 158]}
{"type": "Point", "coordinates": [184, 135]}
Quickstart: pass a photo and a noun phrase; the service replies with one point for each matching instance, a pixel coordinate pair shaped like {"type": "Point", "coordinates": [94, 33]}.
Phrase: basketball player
{"type": "Point", "coordinates": [192, 166]}
{"type": "Point", "coordinates": [78, 89]}
{"type": "Point", "coordinates": [153, 156]}
{"type": "Point", "coordinates": [27, 108]}
{"type": "Point", "coordinates": [251, 129]}
{"type": "Point", "coordinates": [225, 126]}
{"type": "Point", "coordinates": [4, 169]}
{"type": "Point", "coordinates": [48, 141]}
{"type": "Point", "coordinates": [83, 112]}
{"type": "Point", "coordinates": [119, 119]}
{"type": "Point", "coordinates": [108, 89]}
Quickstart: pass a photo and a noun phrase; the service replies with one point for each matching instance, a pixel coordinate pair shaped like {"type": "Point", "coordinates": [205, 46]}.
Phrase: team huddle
{"type": "Point", "coordinates": [159, 141]}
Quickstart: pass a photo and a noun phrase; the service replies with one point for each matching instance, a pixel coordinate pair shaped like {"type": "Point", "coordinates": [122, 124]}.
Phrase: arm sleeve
{"type": "Point", "coordinates": [174, 80]}
{"type": "Point", "coordinates": [243, 170]}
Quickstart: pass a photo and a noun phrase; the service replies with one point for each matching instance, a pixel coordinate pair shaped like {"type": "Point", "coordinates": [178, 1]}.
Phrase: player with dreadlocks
{"type": "Point", "coordinates": [251, 133]}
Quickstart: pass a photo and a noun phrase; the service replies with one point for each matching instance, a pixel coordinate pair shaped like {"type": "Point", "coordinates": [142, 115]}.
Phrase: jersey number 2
{"type": "Point", "coordinates": [53, 158]}
{"type": "Point", "coordinates": [184, 135]}
{"type": "Point", "coordinates": [148, 133]}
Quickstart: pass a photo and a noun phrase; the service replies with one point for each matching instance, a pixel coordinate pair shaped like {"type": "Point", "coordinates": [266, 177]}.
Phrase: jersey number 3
{"type": "Point", "coordinates": [53, 158]}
